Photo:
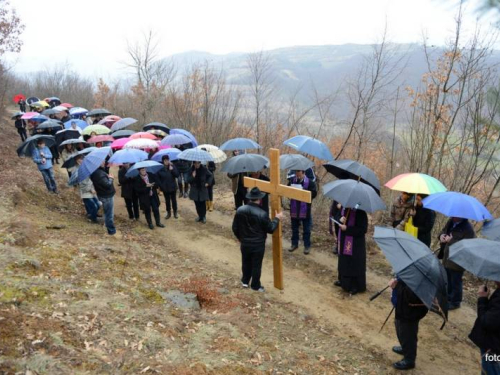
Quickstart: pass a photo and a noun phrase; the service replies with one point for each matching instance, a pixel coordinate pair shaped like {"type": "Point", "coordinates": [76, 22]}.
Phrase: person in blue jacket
{"type": "Point", "coordinates": [43, 158]}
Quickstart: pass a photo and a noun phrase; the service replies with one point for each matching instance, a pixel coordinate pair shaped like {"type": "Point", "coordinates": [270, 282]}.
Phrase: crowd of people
{"type": "Point", "coordinates": [178, 179]}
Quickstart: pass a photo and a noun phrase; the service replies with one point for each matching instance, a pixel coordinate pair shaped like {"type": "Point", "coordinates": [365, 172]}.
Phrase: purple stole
{"type": "Point", "coordinates": [302, 214]}
{"type": "Point", "coordinates": [348, 240]}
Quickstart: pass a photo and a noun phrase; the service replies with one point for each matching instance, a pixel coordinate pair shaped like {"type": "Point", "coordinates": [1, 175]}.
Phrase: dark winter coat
{"type": "Point", "coordinates": [264, 203]}
{"type": "Point", "coordinates": [183, 166]}
{"type": "Point", "coordinates": [103, 185]}
{"type": "Point", "coordinates": [486, 331]}
{"type": "Point", "coordinates": [198, 191]}
{"type": "Point", "coordinates": [409, 307]}
{"type": "Point", "coordinates": [126, 183]}
{"type": "Point", "coordinates": [424, 220]}
{"type": "Point", "coordinates": [212, 168]}
{"type": "Point", "coordinates": [166, 179]}
{"type": "Point", "coordinates": [146, 199]}
{"type": "Point", "coordinates": [251, 224]}
{"type": "Point", "coordinates": [335, 213]}
{"type": "Point", "coordinates": [462, 230]}
{"type": "Point", "coordinates": [20, 124]}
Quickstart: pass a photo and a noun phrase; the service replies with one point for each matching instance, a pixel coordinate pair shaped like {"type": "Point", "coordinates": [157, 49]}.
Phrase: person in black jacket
{"type": "Point", "coordinates": [20, 125]}
{"type": "Point", "coordinates": [409, 310]}
{"type": "Point", "coordinates": [103, 185]}
{"type": "Point", "coordinates": [128, 193]}
{"type": "Point", "coordinates": [423, 219]}
{"type": "Point", "coordinates": [264, 202]}
{"type": "Point", "coordinates": [184, 168]}
{"type": "Point", "coordinates": [486, 331]}
{"type": "Point", "coordinates": [166, 178]}
{"type": "Point", "coordinates": [210, 203]}
{"type": "Point", "coordinates": [251, 224]}
{"type": "Point", "coordinates": [333, 228]}
{"type": "Point", "coordinates": [200, 179]}
{"type": "Point", "coordinates": [146, 188]}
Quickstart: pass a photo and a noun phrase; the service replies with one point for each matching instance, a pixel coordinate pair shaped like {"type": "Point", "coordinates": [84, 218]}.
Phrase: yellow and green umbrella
{"type": "Point", "coordinates": [40, 104]}
{"type": "Point", "coordinates": [416, 183]}
{"type": "Point", "coordinates": [97, 129]}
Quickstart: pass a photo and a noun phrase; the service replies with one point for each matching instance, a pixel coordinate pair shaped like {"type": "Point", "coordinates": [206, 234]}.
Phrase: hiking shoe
{"type": "Point", "coordinates": [243, 285]}
{"type": "Point", "coordinates": [160, 225]}
{"type": "Point", "coordinates": [293, 248]}
{"type": "Point", "coordinates": [204, 220]}
{"type": "Point", "coordinates": [398, 350]}
{"type": "Point", "coordinates": [261, 289]}
{"type": "Point", "coordinates": [151, 226]}
{"type": "Point", "coordinates": [168, 215]}
{"type": "Point", "coordinates": [403, 365]}
{"type": "Point", "coordinates": [307, 250]}
{"type": "Point", "coordinates": [175, 215]}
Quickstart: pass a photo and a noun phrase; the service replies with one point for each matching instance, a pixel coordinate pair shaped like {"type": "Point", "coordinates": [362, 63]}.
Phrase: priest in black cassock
{"type": "Point", "coordinates": [352, 251]}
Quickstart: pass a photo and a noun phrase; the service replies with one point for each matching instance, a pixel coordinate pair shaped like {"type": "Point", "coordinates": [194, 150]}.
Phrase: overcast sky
{"type": "Point", "coordinates": [91, 35]}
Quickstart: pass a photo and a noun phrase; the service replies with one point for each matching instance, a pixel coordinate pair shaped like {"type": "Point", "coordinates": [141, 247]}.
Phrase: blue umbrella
{"type": "Point", "coordinates": [26, 148]}
{"type": "Point", "coordinates": [80, 123]}
{"type": "Point", "coordinates": [187, 134]}
{"type": "Point", "coordinates": [78, 111]}
{"type": "Point", "coordinates": [150, 165]}
{"type": "Point", "coordinates": [175, 139]}
{"type": "Point", "coordinates": [491, 230]}
{"type": "Point", "coordinates": [172, 153]}
{"type": "Point", "coordinates": [354, 194]}
{"type": "Point", "coordinates": [194, 154]}
{"type": "Point", "coordinates": [39, 118]}
{"type": "Point", "coordinates": [311, 146]}
{"type": "Point", "coordinates": [453, 204]}
{"type": "Point", "coordinates": [71, 161]}
{"type": "Point", "coordinates": [123, 123]}
{"type": "Point", "coordinates": [239, 144]}
{"type": "Point", "coordinates": [92, 161]}
{"type": "Point", "coordinates": [128, 155]}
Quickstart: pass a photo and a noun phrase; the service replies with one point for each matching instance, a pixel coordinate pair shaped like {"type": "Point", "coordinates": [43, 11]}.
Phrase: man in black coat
{"type": "Point", "coordinates": [251, 225]}
{"type": "Point", "coordinates": [21, 127]}
{"type": "Point", "coordinates": [486, 331]}
{"type": "Point", "coordinates": [146, 188]}
{"type": "Point", "coordinates": [128, 193]}
{"type": "Point", "coordinates": [409, 310]}
{"type": "Point", "coordinates": [105, 190]}
{"type": "Point", "coordinates": [423, 219]}
{"type": "Point", "coordinates": [166, 178]}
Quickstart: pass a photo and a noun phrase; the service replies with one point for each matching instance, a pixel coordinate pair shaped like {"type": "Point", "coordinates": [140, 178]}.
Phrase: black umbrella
{"type": "Point", "coordinates": [71, 162]}
{"type": "Point", "coordinates": [122, 133]}
{"type": "Point", "coordinates": [26, 148]}
{"type": "Point", "coordinates": [245, 163]}
{"type": "Point", "coordinates": [415, 264]}
{"type": "Point", "coordinates": [66, 134]}
{"type": "Point", "coordinates": [72, 141]}
{"type": "Point", "coordinates": [344, 169]}
{"type": "Point", "coordinates": [491, 229]}
{"type": "Point", "coordinates": [99, 112]}
{"type": "Point", "coordinates": [17, 114]}
{"type": "Point", "coordinates": [50, 111]}
{"type": "Point", "coordinates": [478, 256]}
{"type": "Point", "coordinates": [354, 194]}
{"type": "Point", "coordinates": [156, 125]}
{"type": "Point", "coordinates": [51, 125]}
{"type": "Point", "coordinates": [295, 162]}
{"type": "Point", "coordinates": [32, 99]}
{"type": "Point", "coordinates": [53, 102]}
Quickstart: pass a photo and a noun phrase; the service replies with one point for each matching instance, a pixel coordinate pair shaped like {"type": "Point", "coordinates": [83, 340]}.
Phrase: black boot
{"type": "Point", "coordinates": [157, 219]}
{"type": "Point", "coordinates": [403, 365]}
{"type": "Point", "coordinates": [181, 191]}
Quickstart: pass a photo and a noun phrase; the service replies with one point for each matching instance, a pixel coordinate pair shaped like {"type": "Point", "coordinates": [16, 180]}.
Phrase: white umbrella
{"type": "Point", "coordinates": [141, 143]}
{"type": "Point", "coordinates": [218, 155]}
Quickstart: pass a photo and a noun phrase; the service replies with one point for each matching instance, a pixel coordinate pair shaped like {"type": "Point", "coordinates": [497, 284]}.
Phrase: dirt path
{"type": "Point", "coordinates": [308, 287]}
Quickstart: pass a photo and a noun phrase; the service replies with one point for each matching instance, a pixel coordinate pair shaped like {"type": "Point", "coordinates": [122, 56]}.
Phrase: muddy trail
{"type": "Point", "coordinates": [75, 301]}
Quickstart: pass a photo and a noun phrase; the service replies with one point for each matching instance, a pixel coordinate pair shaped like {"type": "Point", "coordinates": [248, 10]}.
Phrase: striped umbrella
{"type": "Point", "coordinates": [193, 154]}
{"type": "Point", "coordinates": [416, 183]}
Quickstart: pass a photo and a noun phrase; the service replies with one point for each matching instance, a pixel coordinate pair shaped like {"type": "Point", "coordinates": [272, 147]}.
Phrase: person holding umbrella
{"type": "Point", "coordinates": [200, 179]}
{"type": "Point", "coordinates": [105, 189]}
{"type": "Point", "coordinates": [455, 230]}
{"type": "Point", "coordinates": [68, 152]}
{"type": "Point", "coordinates": [87, 193]}
{"type": "Point", "coordinates": [211, 168]}
{"type": "Point", "coordinates": [423, 219]}
{"type": "Point", "coordinates": [400, 210]}
{"type": "Point", "coordinates": [146, 188]}
{"type": "Point", "coordinates": [168, 186]}
{"type": "Point", "coordinates": [333, 219]}
{"type": "Point", "coordinates": [300, 212]}
{"type": "Point", "coordinates": [237, 187]}
{"type": "Point", "coordinates": [20, 125]}
{"type": "Point", "coordinates": [43, 159]}
{"type": "Point", "coordinates": [183, 166]}
{"type": "Point", "coordinates": [264, 202]}
{"type": "Point", "coordinates": [128, 192]}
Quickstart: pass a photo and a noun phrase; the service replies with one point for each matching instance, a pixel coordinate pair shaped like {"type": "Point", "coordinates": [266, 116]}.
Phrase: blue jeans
{"type": "Point", "coordinates": [91, 206]}
{"type": "Point", "coordinates": [306, 231]}
{"type": "Point", "coordinates": [454, 287]}
{"type": "Point", "coordinates": [489, 367]}
{"type": "Point", "coordinates": [108, 207]}
{"type": "Point", "coordinates": [49, 179]}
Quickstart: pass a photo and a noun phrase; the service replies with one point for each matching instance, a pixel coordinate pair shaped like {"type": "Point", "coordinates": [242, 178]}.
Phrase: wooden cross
{"type": "Point", "coordinates": [276, 190]}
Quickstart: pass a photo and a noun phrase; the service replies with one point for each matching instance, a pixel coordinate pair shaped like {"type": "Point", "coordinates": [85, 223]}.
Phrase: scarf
{"type": "Point", "coordinates": [146, 181]}
{"type": "Point", "coordinates": [298, 210]}
{"type": "Point", "coordinates": [348, 240]}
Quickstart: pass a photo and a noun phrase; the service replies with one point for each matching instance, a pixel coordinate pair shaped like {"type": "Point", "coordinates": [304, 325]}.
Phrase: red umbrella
{"type": "Point", "coordinates": [67, 105]}
{"type": "Point", "coordinates": [18, 97]}
{"type": "Point", "coordinates": [143, 135]}
{"type": "Point", "coordinates": [101, 138]}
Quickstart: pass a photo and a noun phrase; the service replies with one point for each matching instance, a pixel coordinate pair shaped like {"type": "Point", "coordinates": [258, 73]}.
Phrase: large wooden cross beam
{"type": "Point", "coordinates": [277, 190]}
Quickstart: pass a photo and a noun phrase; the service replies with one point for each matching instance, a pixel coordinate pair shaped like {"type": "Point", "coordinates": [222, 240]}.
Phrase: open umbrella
{"type": "Point", "coordinates": [79, 123]}
{"type": "Point", "coordinates": [344, 169]}
{"type": "Point", "coordinates": [50, 125]}
{"type": "Point", "coordinates": [175, 139]}
{"type": "Point", "coordinates": [77, 111]}
{"type": "Point", "coordinates": [478, 256]}
{"type": "Point", "coordinates": [67, 105]}
{"type": "Point", "coordinates": [193, 154]}
{"type": "Point", "coordinates": [141, 143]}
{"type": "Point", "coordinates": [128, 155]}
{"type": "Point", "coordinates": [71, 162]}
{"type": "Point", "coordinates": [415, 264]}
{"type": "Point", "coordinates": [144, 135]}
{"type": "Point", "coordinates": [99, 112]}
{"type": "Point", "coordinates": [109, 120]}
{"type": "Point", "coordinates": [150, 165]}
{"type": "Point", "coordinates": [453, 204]}
{"type": "Point", "coordinates": [309, 145]}
{"type": "Point", "coordinates": [122, 133]}
{"type": "Point", "coordinates": [245, 163]}
{"type": "Point", "coordinates": [119, 143]}
{"type": "Point", "coordinates": [239, 144]}
{"type": "Point", "coordinates": [32, 99]}
{"type": "Point", "coordinates": [61, 108]}
{"type": "Point", "coordinates": [416, 183]}
{"type": "Point", "coordinates": [172, 153]}
{"type": "Point", "coordinates": [123, 123]}
{"type": "Point", "coordinates": [92, 161]}
{"type": "Point", "coordinates": [18, 97]}
{"type": "Point", "coordinates": [98, 129]}
{"type": "Point", "coordinates": [100, 138]}
{"type": "Point", "coordinates": [66, 134]}
{"type": "Point", "coordinates": [53, 101]}
{"type": "Point", "coordinates": [29, 115]}
{"type": "Point", "coordinates": [354, 194]}
{"type": "Point", "coordinates": [194, 142]}
{"type": "Point", "coordinates": [156, 125]}
{"type": "Point", "coordinates": [26, 148]}
{"type": "Point", "coordinates": [72, 141]}
{"type": "Point", "coordinates": [40, 104]}
{"type": "Point", "coordinates": [17, 114]}
{"type": "Point", "coordinates": [295, 162]}
{"type": "Point", "coordinates": [50, 111]}
{"type": "Point", "coordinates": [491, 229]}
{"type": "Point", "coordinates": [40, 118]}
{"type": "Point", "coordinates": [158, 133]}
{"type": "Point", "coordinates": [218, 155]}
